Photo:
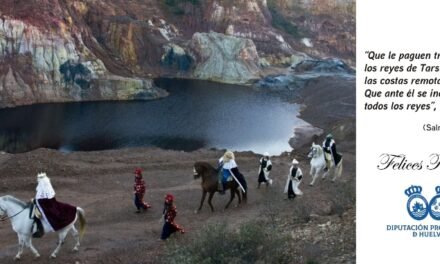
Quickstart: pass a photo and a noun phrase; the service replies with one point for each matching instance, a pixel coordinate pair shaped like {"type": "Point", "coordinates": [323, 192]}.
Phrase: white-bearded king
{"type": "Point", "coordinates": [56, 215]}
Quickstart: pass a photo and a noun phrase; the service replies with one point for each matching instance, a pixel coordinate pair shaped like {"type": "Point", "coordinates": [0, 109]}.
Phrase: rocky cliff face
{"type": "Point", "coordinates": [57, 50]}
{"type": "Point", "coordinates": [224, 58]}
{"type": "Point", "coordinates": [324, 27]}
{"type": "Point", "coordinates": [40, 65]}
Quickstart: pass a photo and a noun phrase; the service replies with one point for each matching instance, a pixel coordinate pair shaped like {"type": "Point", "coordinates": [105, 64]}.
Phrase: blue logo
{"type": "Point", "coordinates": [434, 205]}
{"type": "Point", "coordinates": [417, 204]}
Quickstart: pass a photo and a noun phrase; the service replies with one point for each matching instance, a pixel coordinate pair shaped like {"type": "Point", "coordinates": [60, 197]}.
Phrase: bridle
{"type": "Point", "coordinates": [5, 218]}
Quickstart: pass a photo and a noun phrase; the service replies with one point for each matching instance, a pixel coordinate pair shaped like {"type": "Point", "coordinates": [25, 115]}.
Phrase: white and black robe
{"type": "Point", "coordinates": [264, 170]}
{"type": "Point", "coordinates": [329, 147]}
{"type": "Point", "coordinates": [293, 180]}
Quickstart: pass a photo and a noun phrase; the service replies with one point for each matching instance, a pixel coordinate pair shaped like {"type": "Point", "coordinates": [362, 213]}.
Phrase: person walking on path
{"type": "Point", "coordinates": [139, 191]}
{"type": "Point", "coordinates": [293, 181]}
{"type": "Point", "coordinates": [169, 214]}
{"type": "Point", "coordinates": [264, 170]}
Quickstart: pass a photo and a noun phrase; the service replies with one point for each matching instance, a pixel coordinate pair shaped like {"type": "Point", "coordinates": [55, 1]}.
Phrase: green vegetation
{"type": "Point", "coordinates": [251, 243]}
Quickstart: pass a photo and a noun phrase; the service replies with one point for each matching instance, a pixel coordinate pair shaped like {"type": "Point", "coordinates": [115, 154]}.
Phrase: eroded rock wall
{"type": "Point", "coordinates": [57, 50]}
{"type": "Point", "coordinates": [54, 65]}
{"type": "Point", "coordinates": [225, 58]}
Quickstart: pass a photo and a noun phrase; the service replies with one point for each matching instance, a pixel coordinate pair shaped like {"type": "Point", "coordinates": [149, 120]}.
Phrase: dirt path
{"type": "Point", "coordinates": [101, 183]}
{"type": "Point", "coordinates": [322, 222]}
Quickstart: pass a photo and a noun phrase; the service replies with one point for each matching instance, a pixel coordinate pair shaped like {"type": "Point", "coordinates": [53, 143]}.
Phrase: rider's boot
{"type": "Point", "coordinates": [39, 230]}
{"type": "Point", "coordinates": [221, 190]}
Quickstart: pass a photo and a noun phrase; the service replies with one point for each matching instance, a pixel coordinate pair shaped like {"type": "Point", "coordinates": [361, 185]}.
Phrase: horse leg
{"type": "Point", "coordinates": [329, 168]}
{"type": "Point", "coordinates": [28, 243]}
{"type": "Point", "coordinates": [209, 201]}
{"type": "Point", "coordinates": [314, 174]}
{"type": "Point", "coordinates": [20, 247]}
{"type": "Point", "coordinates": [230, 200]}
{"type": "Point", "coordinates": [61, 236]}
{"type": "Point", "coordinates": [201, 202]}
{"type": "Point", "coordinates": [237, 191]}
{"type": "Point", "coordinates": [75, 234]}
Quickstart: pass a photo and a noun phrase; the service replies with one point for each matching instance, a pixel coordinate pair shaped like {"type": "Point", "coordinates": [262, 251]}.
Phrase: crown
{"type": "Point", "coordinates": [437, 189]}
{"type": "Point", "coordinates": [41, 175]}
{"type": "Point", "coordinates": [415, 189]}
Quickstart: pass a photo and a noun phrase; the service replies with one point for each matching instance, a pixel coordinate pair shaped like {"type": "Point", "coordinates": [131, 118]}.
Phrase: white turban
{"type": "Point", "coordinates": [44, 187]}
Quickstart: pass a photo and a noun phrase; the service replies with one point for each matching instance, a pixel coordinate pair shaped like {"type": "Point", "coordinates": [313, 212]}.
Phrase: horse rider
{"type": "Point", "coordinates": [227, 168]}
{"type": "Point", "coordinates": [330, 153]}
{"type": "Point", "coordinates": [264, 170]}
{"type": "Point", "coordinates": [54, 215]}
{"type": "Point", "coordinates": [169, 214]}
{"type": "Point", "coordinates": [139, 191]}
{"type": "Point", "coordinates": [293, 180]}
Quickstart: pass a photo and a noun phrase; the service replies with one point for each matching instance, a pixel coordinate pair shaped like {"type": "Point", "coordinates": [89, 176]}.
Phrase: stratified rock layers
{"type": "Point", "coordinates": [39, 65]}
{"type": "Point", "coordinates": [58, 51]}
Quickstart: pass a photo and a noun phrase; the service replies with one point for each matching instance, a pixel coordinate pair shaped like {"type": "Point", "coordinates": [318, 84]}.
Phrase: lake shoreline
{"type": "Point", "coordinates": [101, 182]}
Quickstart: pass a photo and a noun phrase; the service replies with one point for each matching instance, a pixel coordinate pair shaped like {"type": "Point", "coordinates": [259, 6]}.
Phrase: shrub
{"type": "Point", "coordinates": [251, 243]}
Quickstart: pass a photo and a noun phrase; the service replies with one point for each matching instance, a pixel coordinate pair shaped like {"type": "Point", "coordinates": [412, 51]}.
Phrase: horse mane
{"type": "Point", "coordinates": [320, 151]}
{"type": "Point", "coordinates": [207, 169]}
{"type": "Point", "coordinates": [318, 148]}
{"type": "Point", "coordinates": [14, 200]}
{"type": "Point", "coordinates": [205, 165]}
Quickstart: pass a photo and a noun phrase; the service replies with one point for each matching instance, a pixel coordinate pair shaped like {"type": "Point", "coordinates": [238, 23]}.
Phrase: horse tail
{"type": "Point", "coordinates": [244, 194]}
{"type": "Point", "coordinates": [340, 169]}
{"type": "Point", "coordinates": [82, 222]}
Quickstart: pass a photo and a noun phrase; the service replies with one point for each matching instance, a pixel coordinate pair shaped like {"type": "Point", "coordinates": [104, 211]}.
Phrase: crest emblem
{"type": "Point", "coordinates": [417, 204]}
{"type": "Point", "coordinates": [434, 205]}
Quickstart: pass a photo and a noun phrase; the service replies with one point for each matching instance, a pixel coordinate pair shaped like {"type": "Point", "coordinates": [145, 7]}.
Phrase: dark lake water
{"type": "Point", "coordinates": [196, 114]}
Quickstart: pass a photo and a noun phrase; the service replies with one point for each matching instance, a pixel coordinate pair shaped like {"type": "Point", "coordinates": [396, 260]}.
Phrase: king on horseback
{"type": "Point", "coordinates": [330, 153]}
{"type": "Point", "coordinates": [226, 176]}
{"type": "Point", "coordinates": [52, 214]}
{"type": "Point", "coordinates": [228, 171]}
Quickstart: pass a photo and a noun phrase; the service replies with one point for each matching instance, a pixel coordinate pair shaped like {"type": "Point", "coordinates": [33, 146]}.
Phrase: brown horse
{"type": "Point", "coordinates": [209, 177]}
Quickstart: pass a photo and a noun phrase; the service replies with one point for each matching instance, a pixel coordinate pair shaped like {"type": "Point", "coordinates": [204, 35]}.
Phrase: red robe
{"type": "Point", "coordinates": [170, 226]}
{"type": "Point", "coordinates": [139, 191]}
{"type": "Point", "coordinates": [59, 215]}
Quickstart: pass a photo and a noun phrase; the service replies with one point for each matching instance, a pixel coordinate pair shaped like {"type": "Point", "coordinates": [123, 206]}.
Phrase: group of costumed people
{"type": "Point", "coordinates": [169, 211]}
{"type": "Point", "coordinates": [295, 175]}
{"type": "Point", "coordinates": [51, 215]}
{"type": "Point", "coordinates": [293, 178]}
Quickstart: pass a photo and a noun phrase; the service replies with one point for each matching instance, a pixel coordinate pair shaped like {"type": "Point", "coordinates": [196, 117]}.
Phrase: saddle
{"type": "Point", "coordinates": [37, 228]}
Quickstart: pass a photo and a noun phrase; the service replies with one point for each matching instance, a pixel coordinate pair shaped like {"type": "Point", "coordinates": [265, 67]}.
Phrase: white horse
{"type": "Point", "coordinates": [18, 213]}
{"type": "Point", "coordinates": [318, 164]}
